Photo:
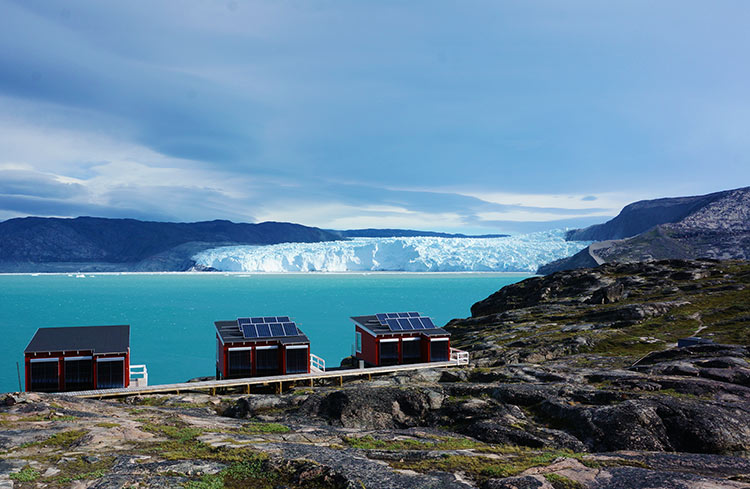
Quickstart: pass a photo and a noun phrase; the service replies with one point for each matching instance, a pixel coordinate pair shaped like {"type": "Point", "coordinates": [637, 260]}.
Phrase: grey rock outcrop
{"type": "Point", "coordinates": [713, 226]}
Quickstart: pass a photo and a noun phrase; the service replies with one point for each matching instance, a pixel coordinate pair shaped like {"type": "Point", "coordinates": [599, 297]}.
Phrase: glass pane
{"type": "Point", "coordinates": [110, 375]}
{"type": "Point", "coordinates": [439, 351]}
{"type": "Point", "coordinates": [296, 361]}
{"type": "Point", "coordinates": [411, 351]}
{"type": "Point", "coordinates": [267, 362]}
{"type": "Point", "coordinates": [239, 364]}
{"type": "Point", "coordinates": [44, 377]}
{"type": "Point", "coordinates": [79, 375]}
{"type": "Point", "coordinates": [389, 353]}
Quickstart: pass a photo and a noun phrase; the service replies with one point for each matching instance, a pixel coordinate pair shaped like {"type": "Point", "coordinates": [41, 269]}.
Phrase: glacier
{"type": "Point", "coordinates": [521, 253]}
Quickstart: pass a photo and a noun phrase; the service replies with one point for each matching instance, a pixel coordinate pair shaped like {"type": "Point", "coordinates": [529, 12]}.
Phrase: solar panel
{"type": "Point", "coordinates": [290, 329]}
{"type": "Point", "coordinates": [277, 329]}
{"type": "Point", "coordinates": [264, 330]}
{"type": "Point", "coordinates": [416, 323]}
{"type": "Point", "coordinates": [381, 318]}
{"type": "Point", "coordinates": [392, 315]}
{"type": "Point", "coordinates": [413, 314]}
{"type": "Point", "coordinates": [405, 324]}
{"type": "Point", "coordinates": [428, 324]}
{"type": "Point", "coordinates": [249, 331]}
{"type": "Point", "coordinates": [267, 327]}
{"type": "Point", "coordinates": [393, 325]}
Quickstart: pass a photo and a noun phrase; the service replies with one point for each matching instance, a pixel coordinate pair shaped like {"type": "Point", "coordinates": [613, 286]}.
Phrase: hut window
{"type": "Point", "coordinates": [439, 350]}
{"type": "Point", "coordinates": [44, 375]}
{"type": "Point", "coordinates": [411, 350]}
{"type": "Point", "coordinates": [388, 352]}
{"type": "Point", "coordinates": [110, 373]}
{"type": "Point", "coordinates": [296, 360]}
{"type": "Point", "coordinates": [267, 360]}
{"type": "Point", "coordinates": [240, 363]}
{"type": "Point", "coordinates": [79, 374]}
{"type": "Point", "coordinates": [358, 341]}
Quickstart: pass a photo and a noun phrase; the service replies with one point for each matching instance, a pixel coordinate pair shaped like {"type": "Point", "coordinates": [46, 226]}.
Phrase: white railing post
{"type": "Point", "coordinates": [459, 357]}
{"type": "Point", "coordinates": [317, 364]}
{"type": "Point", "coordinates": [138, 376]}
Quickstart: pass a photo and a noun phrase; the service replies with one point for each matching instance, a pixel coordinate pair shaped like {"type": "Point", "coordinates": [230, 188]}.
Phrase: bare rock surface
{"type": "Point", "coordinates": [708, 226]}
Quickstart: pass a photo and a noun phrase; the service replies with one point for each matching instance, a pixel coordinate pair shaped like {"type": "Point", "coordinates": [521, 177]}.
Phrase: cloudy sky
{"type": "Point", "coordinates": [476, 116]}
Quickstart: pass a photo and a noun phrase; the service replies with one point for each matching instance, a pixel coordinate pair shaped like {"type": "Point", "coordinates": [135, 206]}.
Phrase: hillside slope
{"type": "Point", "coordinates": [640, 216]}
{"type": "Point", "coordinates": [88, 243]}
{"type": "Point", "coordinates": [711, 226]}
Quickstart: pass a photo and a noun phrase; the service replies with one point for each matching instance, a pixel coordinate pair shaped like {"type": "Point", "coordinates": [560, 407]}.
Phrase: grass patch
{"type": "Point", "coordinates": [440, 443]}
{"type": "Point", "coordinates": [480, 468]}
{"type": "Point", "coordinates": [163, 401]}
{"type": "Point", "coordinates": [79, 469]}
{"type": "Point", "coordinates": [64, 439]}
{"type": "Point", "coordinates": [105, 424]}
{"type": "Point", "coordinates": [179, 432]}
{"type": "Point", "coordinates": [562, 482]}
{"type": "Point", "coordinates": [248, 473]}
{"type": "Point", "coordinates": [260, 427]}
{"type": "Point", "coordinates": [182, 444]}
{"type": "Point", "coordinates": [26, 474]}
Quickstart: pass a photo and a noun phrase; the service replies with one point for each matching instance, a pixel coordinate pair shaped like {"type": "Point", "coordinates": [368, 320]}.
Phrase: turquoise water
{"type": "Point", "coordinates": [172, 315]}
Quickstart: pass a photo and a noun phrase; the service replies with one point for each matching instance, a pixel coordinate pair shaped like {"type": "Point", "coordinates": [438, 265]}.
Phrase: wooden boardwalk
{"type": "Point", "coordinates": [278, 381]}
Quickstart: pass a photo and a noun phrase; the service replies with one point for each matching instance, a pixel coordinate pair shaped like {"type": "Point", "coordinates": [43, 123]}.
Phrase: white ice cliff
{"type": "Point", "coordinates": [522, 253]}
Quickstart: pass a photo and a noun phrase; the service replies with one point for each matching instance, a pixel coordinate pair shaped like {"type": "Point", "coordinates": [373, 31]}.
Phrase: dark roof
{"type": "Point", "coordinates": [230, 333]}
{"type": "Point", "coordinates": [372, 323]}
{"type": "Point", "coordinates": [98, 339]}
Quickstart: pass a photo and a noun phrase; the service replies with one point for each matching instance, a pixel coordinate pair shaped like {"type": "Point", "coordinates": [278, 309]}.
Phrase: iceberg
{"type": "Point", "coordinates": [521, 253]}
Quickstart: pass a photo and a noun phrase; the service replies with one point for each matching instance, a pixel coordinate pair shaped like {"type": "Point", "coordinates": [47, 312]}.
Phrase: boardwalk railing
{"type": "Point", "coordinates": [138, 376]}
{"type": "Point", "coordinates": [457, 358]}
{"type": "Point", "coordinates": [317, 364]}
{"type": "Point", "coordinates": [460, 357]}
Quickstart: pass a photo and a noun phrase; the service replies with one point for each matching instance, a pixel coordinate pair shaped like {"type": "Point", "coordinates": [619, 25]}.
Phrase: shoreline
{"type": "Point", "coordinates": [248, 274]}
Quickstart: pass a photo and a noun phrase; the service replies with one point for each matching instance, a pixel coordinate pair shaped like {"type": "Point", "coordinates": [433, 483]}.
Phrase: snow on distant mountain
{"type": "Point", "coordinates": [522, 253]}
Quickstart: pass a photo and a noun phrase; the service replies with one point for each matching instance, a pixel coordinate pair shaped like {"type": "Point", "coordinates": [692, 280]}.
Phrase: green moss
{"type": "Point", "coordinates": [64, 439]}
{"type": "Point", "coordinates": [260, 427]}
{"type": "Point", "coordinates": [105, 424]}
{"type": "Point", "coordinates": [176, 430]}
{"type": "Point", "coordinates": [440, 443]}
{"type": "Point", "coordinates": [26, 474]}
{"type": "Point", "coordinates": [562, 482]}
{"type": "Point", "coordinates": [481, 468]}
{"type": "Point", "coordinates": [78, 469]}
{"type": "Point", "coordinates": [252, 472]}
{"type": "Point", "coordinates": [676, 394]}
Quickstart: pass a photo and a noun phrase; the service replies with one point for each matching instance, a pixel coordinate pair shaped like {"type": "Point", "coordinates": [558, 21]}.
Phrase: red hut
{"type": "Point", "coordinates": [399, 338]}
{"type": "Point", "coordinates": [260, 346]}
{"type": "Point", "coordinates": [78, 358]}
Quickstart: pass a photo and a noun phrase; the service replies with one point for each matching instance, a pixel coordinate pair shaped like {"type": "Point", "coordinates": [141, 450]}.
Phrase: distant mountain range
{"type": "Point", "coordinates": [407, 233]}
{"type": "Point", "coordinates": [92, 244]}
{"type": "Point", "coordinates": [35, 244]}
{"type": "Point", "coordinates": [707, 226]}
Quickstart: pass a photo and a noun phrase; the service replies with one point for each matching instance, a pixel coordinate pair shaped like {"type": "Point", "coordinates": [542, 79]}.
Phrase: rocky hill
{"type": "Point", "coordinates": [36, 244]}
{"type": "Point", "coordinates": [576, 383]}
{"type": "Point", "coordinates": [709, 226]}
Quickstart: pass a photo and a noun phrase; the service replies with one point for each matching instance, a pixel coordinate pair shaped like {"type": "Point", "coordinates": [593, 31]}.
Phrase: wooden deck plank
{"type": "Point", "coordinates": [213, 384]}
